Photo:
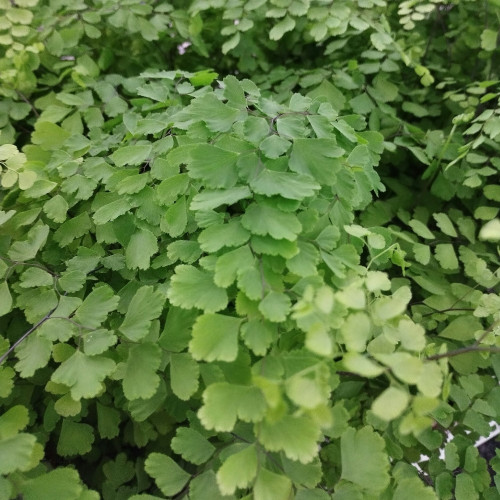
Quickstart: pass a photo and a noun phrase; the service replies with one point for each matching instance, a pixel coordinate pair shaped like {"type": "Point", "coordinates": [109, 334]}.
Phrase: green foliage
{"type": "Point", "coordinates": [272, 274]}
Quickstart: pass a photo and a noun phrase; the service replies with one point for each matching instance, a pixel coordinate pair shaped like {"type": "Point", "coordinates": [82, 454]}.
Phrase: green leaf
{"type": "Point", "coordinates": [465, 488]}
{"type": "Point", "coordinates": [489, 39]}
{"type": "Point", "coordinates": [48, 135]}
{"type": "Point", "coordinates": [73, 228]}
{"type": "Point", "coordinates": [215, 338]}
{"type": "Point", "coordinates": [218, 116]}
{"type": "Point", "coordinates": [210, 199]}
{"type": "Point", "coordinates": [444, 223]}
{"type": "Point", "coordinates": [297, 437]}
{"type": "Point", "coordinates": [278, 30]}
{"type": "Point", "coordinates": [274, 146]}
{"type": "Point", "coordinates": [230, 264]}
{"type": "Point", "coordinates": [386, 308]}
{"type": "Point", "coordinates": [131, 155]}
{"type": "Point", "coordinates": [28, 248]}
{"type": "Point", "coordinates": [421, 229]}
{"type": "Point", "coordinates": [390, 404]}
{"type": "Point", "coordinates": [272, 486]}
{"type": "Point", "coordinates": [446, 256]}
{"type": "Point", "coordinates": [192, 446]}
{"type": "Point", "coordinates": [203, 157]}
{"type": "Point", "coordinates": [184, 373]}
{"type": "Point", "coordinates": [13, 420]}
{"type": "Point", "coordinates": [74, 439]}
{"type": "Point", "coordinates": [108, 420]}
{"type": "Point", "coordinates": [5, 299]}
{"type": "Point", "coordinates": [224, 403]}
{"type": "Point", "coordinates": [275, 306]}
{"type": "Point", "coordinates": [56, 208]}
{"type": "Point", "coordinates": [170, 189]}
{"type": "Point", "coordinates": [286, 184]}
{"type": "Point", "coordinates": [410, 488]}
{"type": "Point", "coordinates": [98, 341]}
{"type": "Point", "coordinates": [174, 220]}
{"type": "Point", "coordinates": [96, 307]}
{"type": "Point", "coordinates": [364, 460]}
{"type": "Point", "coordinates": [111, 211]}
{"type": "Point", "coordinates": [217, 236]}
{"type": "Point", "coordinates": [193, 288]}
{"type": "Point", "coordinates": [146, 305]}
{"type": "Point", "coordinates": [16, 453]}
{"type": "Point", "coordinates": [258, 335]}
{"type": "Point", "coordinates": [168, 476]}
{"type": "Point", "coordinates": [238, 470]}
{"type": "Point", "coordinates": [58, 483]}
{"type": "Point", "coordinates": [141, 247]}
{"type": "Point", "coordinates": [140, 379]}
{"type": "Point", "coordinates": [84, 374]}
{"type": "Point", "coordinates": [264, 219]}
{"type": "Point", "coordinates": [33, 353]}
{"type": "Point", "coordinates": [316, 158]}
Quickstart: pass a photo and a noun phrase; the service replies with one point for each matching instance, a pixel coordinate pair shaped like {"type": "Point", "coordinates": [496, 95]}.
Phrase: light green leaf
{"type": "Point", "coordinates": [316, 158]}
{"type": "Point", "coordinates": [421, 229]}
{"type": "Point", "coordinates": [48, 135]}
{"type": "Point", "coordinates": [58, 483]}
{"type": "Point", "coordinates": [275, 306]}
{"type": "Point", "coordinates": [224, 403]}
{"type": "Point", "coordinates": [217, 236]}
{"type": "Point", "coordinates": [297, 437]}
{"type": "Point", "coordinates": [285, 184]}
{"type": "Point", "coordinates": [5, 299]}
{"type": "Point", "coordinates": [33, 353]}
{"type": "Point", "coordinates": [215, 338]}
{"type": "Point", "coordinates": [141, 247]}
{"type": "Point", "coordinates": [279, 29]}
{"type": "Point", "coordinates": [489, 39]}
{"type": "Point", "coordinates": [411, 488]}
{"type": "Point", "coordinates": [73, 228]}
{"type": "Point", "coordinates": [203, 157]}
{"type": "Point", "coordinates": [490, 231]}
{"type": "Point", "coordinates": [27, 249]}
{"type": "Point", "coordinates": [194, 288]}
{"type": "Point", "coordinates": [56, 208]}
{"type": "Point", "coordinates": [96, 307]}
{"type": "Point", "coordinates": [274, 146]}
{"type": "Point", "coordinates": [385, 308]}
{"type": "Point", "coordinates": [174, 220]}
{"type": "Point", "coordinates": [272, 486]}
{"type": "Point", "coordinates": [263, 219]}
{"type": "Point", "coordinates": [364, 460]}
{"type": "Point", "coordinates": [238, 470]}
{"type": "Point", "coordinates": [356, 331]}
{"type": "Point", "coordinates": [210, 199]}
{"type": "Point", "coordinates": [230, 264]}
{"type": "Point", "coordinates": [184, 373]}
{"type": "Point", "coordinates": [111, 211]}
{"type": "Point", "coordinates": [390, 404]}
{"type": "Point", "coordinates": [444, 223]}
{"type": "Point", "coordinates": [168, 476]}
{"type": "Point", "coordinates": [83, 374]}
{"type": "Point", "coordinates": [258, 335]}
{"type": "Point", "coordinates": [192, 446]}
{"type": "Point", "coordinates": [446, 256]}
{"type": "Point", "coordinates": [145, 306]}
{"type": "Point", "coordinates": [140, 379]}
{"type": "Point", "coordinates": [131, 155]}
{"type": "Point", "coordinates": [98, 341]}
{"type": "Point", "coordinates": [16, 453]}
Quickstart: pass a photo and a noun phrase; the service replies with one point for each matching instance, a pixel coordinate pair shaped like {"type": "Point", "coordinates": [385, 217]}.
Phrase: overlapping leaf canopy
{"type": "Point", "coordinates": [275, 278]}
